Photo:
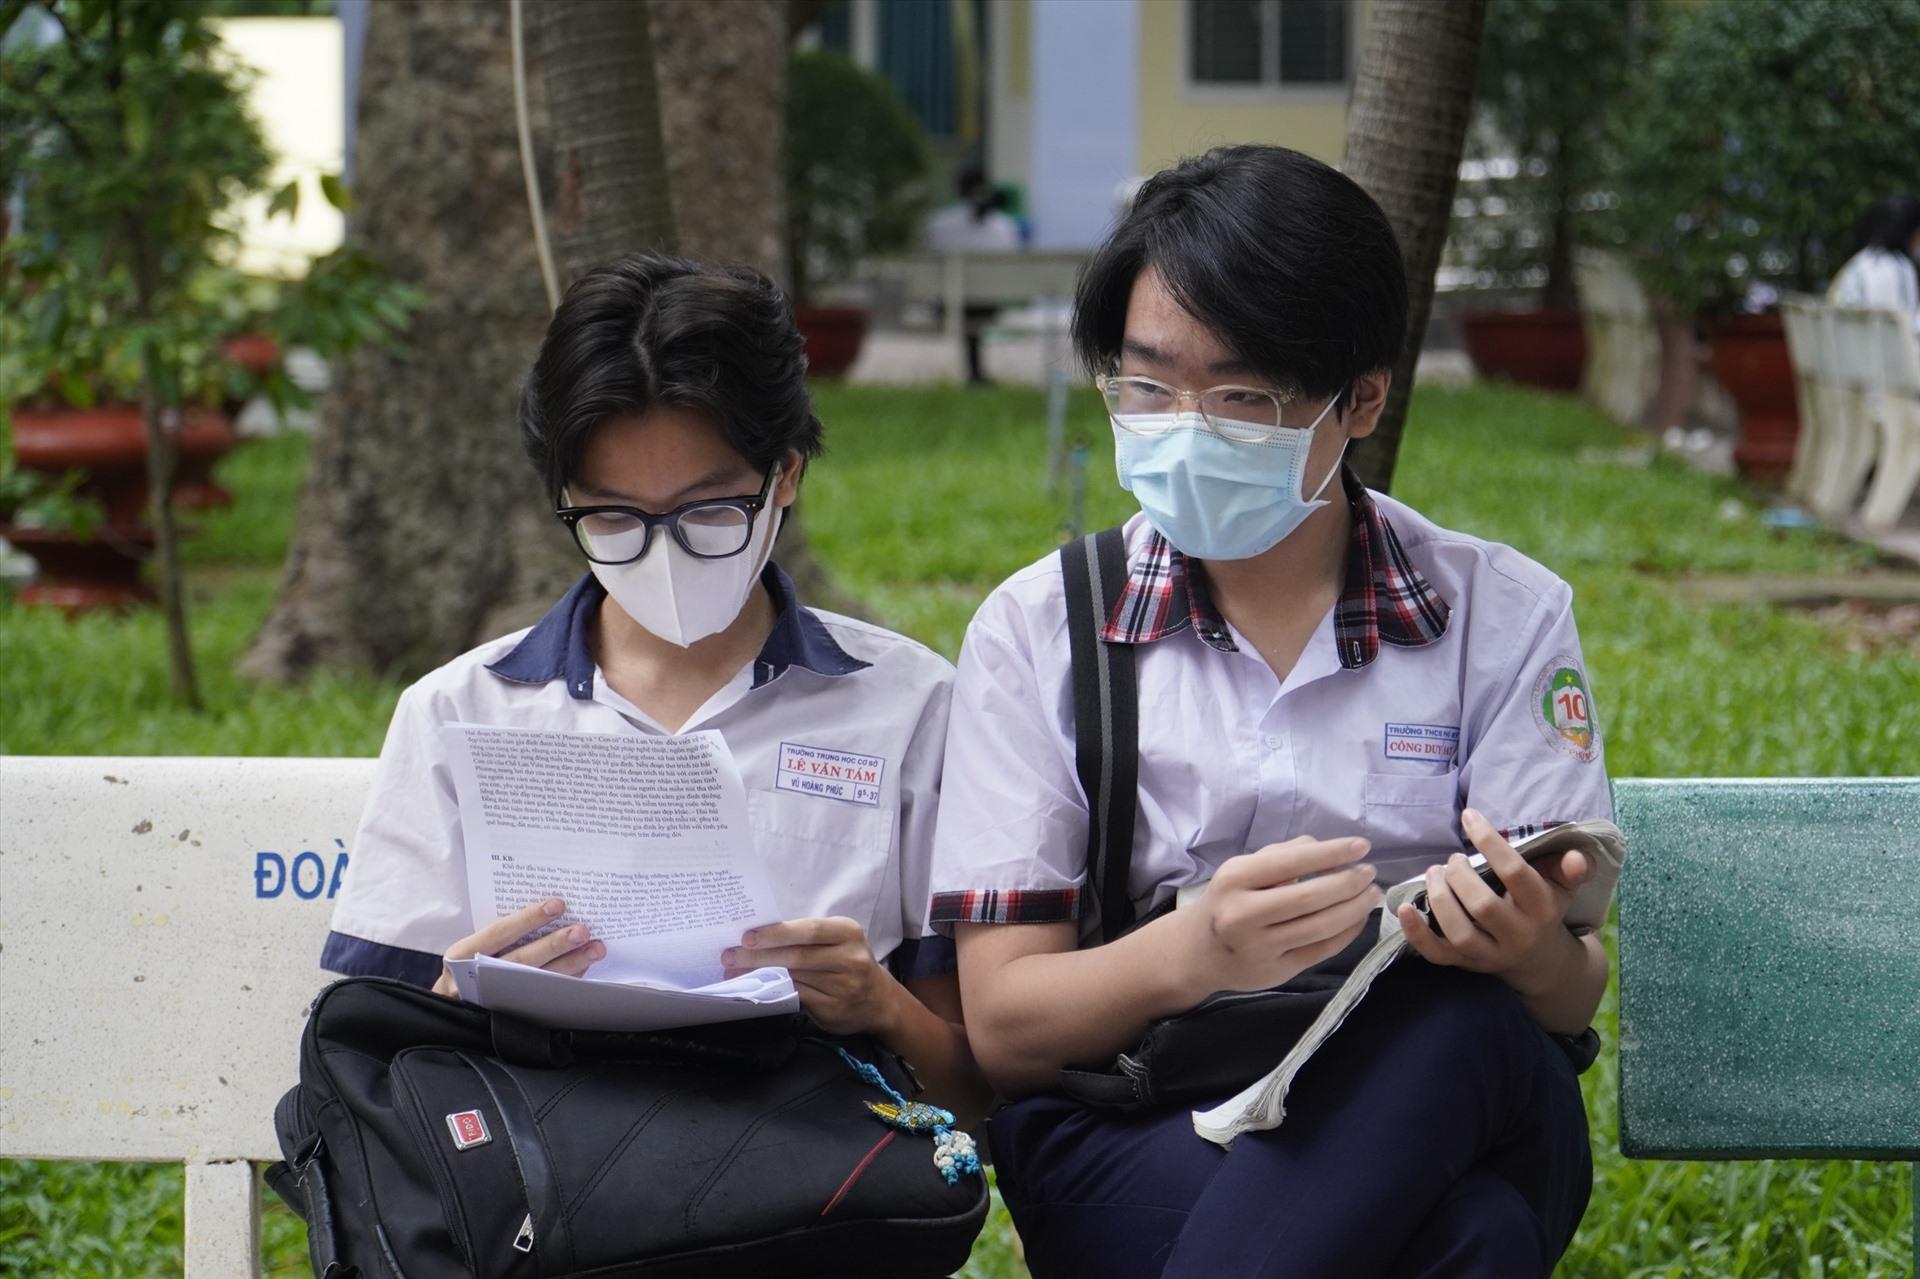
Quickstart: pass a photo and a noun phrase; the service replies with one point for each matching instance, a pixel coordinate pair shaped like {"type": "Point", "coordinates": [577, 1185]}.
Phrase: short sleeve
{"type": "Point", "coordinates": [1532, 749]}
{"type": "Point", "coordinates": [1011, 844]}
{"type": "Point", "coordinates": [404, 898]}
{"type": "Point", "coordinates": [921, 954]}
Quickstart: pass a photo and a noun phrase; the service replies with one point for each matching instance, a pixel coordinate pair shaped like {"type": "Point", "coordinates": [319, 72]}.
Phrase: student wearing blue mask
{"type": "Point", "coordinates": [668, 416]}
{"type": "Point", "coordinates": [1334, 693]}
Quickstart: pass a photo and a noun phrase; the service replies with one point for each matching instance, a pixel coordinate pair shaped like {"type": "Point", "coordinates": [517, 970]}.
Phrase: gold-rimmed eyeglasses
{"type": "Point", "coordinates": [1147, 406]}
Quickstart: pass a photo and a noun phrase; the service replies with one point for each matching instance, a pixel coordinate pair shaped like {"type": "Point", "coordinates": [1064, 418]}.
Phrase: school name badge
{"type": "Point", "coordinates": [1436, 743]}
{"type": "Point", "coordinates": [829, 774]}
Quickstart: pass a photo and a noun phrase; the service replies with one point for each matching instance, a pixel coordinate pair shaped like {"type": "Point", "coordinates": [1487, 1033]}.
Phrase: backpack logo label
{"type": "Point", "coordinates": [468, 1129]}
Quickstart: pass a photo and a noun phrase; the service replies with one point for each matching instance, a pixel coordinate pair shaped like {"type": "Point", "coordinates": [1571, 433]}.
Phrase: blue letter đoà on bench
{"type": "Point", "coordinates": [1770, 969]}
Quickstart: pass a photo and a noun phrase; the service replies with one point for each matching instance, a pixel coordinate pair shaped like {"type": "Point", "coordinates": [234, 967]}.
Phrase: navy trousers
{"type": "Point", "coordinates": [1439, 1132]}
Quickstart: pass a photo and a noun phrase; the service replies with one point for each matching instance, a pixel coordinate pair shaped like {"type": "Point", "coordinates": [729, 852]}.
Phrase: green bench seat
{"type": "Point", "coordinates": [1769, 945]}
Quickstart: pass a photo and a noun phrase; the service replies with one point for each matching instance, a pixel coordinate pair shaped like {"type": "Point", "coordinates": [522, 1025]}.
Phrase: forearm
{"type": "Point", "coordinates": [1038, 1012]}
{"type": "Point", "coordinates": [938, 1052]}
{"type": "Point", "coordinates": [1562, 984]}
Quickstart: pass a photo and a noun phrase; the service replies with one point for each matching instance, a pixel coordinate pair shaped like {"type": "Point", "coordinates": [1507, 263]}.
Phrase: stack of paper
{"type": "Point", "coordinates": [646, 840]}
{"type": "Point", "coordinates": [579, 1003]}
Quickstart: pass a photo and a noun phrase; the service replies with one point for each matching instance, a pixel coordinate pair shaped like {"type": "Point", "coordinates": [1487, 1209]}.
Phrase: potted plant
{"type": "Point", "coordinates": [1759, 136]}
{"type": "Point", "coordinates": [1547, 70]}
{"type": "Point", "coordinates": [857, 166]}
{"type": "Point", "coordinates": [128, 143]}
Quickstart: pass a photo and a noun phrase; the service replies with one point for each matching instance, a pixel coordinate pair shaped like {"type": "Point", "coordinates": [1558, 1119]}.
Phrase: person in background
{"type": "Point", "coordinates": [1882, 272]}
{"type": "Point", "coordinates": [976, 223]}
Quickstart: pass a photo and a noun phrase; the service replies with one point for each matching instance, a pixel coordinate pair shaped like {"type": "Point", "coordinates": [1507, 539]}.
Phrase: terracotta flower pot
{"type": "Point", "coordinates": [109, 443]}
{"type": "Point", "coordinates": [1753, 364]}
{"type": "Point", "coordinates": [85, 575]}
{"type": "Point", "coordinates": [257, 353]}
{"type": "Point", "coordinates": [1546, 347]}
{"type": "Point", "coordinates": [833, 334]}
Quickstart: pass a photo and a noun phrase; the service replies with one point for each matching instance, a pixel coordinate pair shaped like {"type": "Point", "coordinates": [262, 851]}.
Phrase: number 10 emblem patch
{"type": "Point", "coordinates": [1563, 709]}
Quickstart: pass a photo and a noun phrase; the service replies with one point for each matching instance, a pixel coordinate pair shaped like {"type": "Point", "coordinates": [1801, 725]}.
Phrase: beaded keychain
{"type": "Point", "coordinates": [953, 1152]}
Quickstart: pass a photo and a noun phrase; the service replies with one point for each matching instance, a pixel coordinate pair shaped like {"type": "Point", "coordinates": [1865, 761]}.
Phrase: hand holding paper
{"type": "Point", "coordinates": [645, 839]}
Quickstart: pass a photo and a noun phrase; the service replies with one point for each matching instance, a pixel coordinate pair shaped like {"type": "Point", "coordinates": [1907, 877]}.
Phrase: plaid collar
{"type": "Point", "coordinates": [1386, 597]}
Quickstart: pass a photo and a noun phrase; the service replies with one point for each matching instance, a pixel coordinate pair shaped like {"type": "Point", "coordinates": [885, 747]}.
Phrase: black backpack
{"type": "Point", "coordinates": [432, 1139]}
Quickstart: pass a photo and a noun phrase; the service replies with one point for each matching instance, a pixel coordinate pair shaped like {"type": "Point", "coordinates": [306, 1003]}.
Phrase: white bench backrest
{"type": "Point", "coordinates": [1855, 355]}
{"type": "Point", "coordinates": [160, 929]}
{"type": "Point", "coordinates": [1896, 349]}
{"type": "Point", "coordinates": [1801, 314]}
{"type": "Point", "coordinates": [1608, 287]}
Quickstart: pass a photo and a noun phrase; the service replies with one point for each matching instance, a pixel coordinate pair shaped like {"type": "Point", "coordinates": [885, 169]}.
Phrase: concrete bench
{"type": "Point", "coordinates": [160, 921]}
{"type": "Point", "coordinates": [160, 927]}
{"type": "Point", "coordinates": [1769, 970]}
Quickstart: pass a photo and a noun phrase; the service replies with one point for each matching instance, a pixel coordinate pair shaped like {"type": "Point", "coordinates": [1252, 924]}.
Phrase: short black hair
{"type": "Point", "coordinates": [1288, 261]}
{"type": "Point", "coordinates": [1889, 224]}
{"type": "Point", "coordinates": [649, 330]}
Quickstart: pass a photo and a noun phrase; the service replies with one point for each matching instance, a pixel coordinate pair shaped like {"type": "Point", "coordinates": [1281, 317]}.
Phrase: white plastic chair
{"type": "Point", "coordinates": [1623, 348]}
{"type": "Point", "coordinates": [1851, 343]}
{"type": "Point", "coordinates": [1801, 314]}
{"type": "Point", "coordinates": [1896, 352]}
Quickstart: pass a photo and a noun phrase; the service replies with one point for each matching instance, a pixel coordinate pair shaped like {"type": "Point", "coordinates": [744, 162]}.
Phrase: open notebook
{"type": "Point", "coordinates": [1263, 1103]}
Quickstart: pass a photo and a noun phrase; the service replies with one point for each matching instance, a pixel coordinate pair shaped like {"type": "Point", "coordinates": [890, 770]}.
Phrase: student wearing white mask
{"type": "Point", "coordinates": [1334, 693]}
{"type": "Point", "coordinates": [668, 416]}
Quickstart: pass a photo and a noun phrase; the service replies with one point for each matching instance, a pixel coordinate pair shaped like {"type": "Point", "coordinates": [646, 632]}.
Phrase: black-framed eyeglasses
{"type": "Point", "coordinates": [712, 528]}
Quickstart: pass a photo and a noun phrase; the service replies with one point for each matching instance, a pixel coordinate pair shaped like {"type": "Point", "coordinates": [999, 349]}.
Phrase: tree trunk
{"type": "Point", "coordinates": [723, 74]}
{"type": "Point", "coordinates": [162, 422]}
{"type": "Point", "coordinates": [1412, 102]}
{"type": "Point", "coordinates": [422, 528]}
{"type": "Point", "coordinates": [1560, 288]}
{"type": "Point", "coordinates": [604, 130]}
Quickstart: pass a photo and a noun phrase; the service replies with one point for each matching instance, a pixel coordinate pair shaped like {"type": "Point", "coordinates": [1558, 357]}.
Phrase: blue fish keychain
{"type": "Point", "coordinates": [953, 1152]}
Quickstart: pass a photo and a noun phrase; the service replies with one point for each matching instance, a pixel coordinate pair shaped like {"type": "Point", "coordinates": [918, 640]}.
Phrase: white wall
{"type": "Point", "coordinates": [1084, 120]}
{"type": "Point", "coordinates": [298, 97]}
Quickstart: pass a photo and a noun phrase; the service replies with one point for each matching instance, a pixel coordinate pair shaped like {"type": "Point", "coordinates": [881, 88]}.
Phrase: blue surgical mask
{"type": "Point", "coordinates": [1215, 498]}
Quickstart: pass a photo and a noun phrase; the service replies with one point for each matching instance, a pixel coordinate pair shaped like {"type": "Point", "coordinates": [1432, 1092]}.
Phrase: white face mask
{"type": "Point", "coordinates": [683, 598]}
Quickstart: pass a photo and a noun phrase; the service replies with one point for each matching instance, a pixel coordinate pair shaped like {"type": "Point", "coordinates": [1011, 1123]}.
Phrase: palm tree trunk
{"type": "Point", "coordinates": [1411, 104]}
{"type": "Point", "coordinates": [603, 121]}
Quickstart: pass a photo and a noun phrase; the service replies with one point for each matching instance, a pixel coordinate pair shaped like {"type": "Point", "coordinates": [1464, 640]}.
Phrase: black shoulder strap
{"type": "Point", "coordinates": [1106, 720]}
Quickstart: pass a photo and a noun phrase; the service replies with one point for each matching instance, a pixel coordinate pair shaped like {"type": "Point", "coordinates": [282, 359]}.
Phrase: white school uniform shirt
{"type": "Point", "coordinates": [822, 687]}
{"type": "Point", "coordinates": [1876, 277]}
{"type": "Point", "coordinates": [1448, 675]}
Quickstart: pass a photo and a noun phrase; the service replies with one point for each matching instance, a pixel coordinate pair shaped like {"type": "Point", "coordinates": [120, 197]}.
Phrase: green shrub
{"type": "Point", "coordinates": [857, 167]}
{"type": "Point", "coordinates": [1763, 132]}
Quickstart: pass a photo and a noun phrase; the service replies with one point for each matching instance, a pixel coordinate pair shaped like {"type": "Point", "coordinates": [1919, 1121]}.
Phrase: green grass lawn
{"type": "Point", "coordinates": [927, 498]}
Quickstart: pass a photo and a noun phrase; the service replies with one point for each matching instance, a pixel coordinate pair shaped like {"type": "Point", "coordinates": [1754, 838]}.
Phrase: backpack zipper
{"type": "Point", "coordinates": [523, 1242]}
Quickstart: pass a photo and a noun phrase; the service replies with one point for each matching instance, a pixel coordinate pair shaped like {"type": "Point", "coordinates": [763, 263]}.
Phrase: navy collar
{"type": "Point", "coordinates": [556, 647]}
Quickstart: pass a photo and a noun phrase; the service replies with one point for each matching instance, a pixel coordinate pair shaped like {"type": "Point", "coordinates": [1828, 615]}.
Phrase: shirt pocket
{"type": "Point", "coordinates": [1404, 814]}
{"type": "Point", "coordinates": [823, 856]}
